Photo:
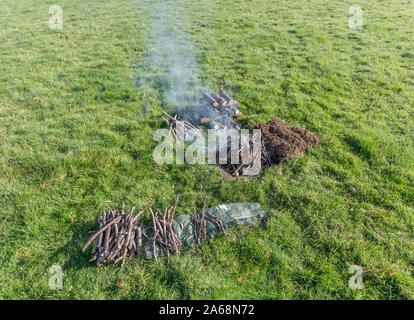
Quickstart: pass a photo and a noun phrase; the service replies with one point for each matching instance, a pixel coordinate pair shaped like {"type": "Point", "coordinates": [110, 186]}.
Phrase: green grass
{"type": "Point", "coordinates": [76, 136]}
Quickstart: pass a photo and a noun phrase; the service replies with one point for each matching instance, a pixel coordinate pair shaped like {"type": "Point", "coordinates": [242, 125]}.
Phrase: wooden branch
{"type": "Point", "coordinates": [209, 99]}
{"type": "Point", "coordinates": [225, 95]}
{"type": "Point", "coordinates": [86, 245]}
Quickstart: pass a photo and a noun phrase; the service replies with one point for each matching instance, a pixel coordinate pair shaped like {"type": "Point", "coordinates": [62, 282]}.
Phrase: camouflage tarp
{"type": "Point", "coordinates": [230, 214]}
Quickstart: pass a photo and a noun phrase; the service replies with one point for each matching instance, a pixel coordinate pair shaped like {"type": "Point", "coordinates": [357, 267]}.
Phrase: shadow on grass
{"type": "Point", "coordinates": [76, 259]}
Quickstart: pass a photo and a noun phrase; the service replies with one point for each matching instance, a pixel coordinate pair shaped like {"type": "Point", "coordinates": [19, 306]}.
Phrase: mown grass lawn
{"type": "Point", "coordinates": [76, 136]}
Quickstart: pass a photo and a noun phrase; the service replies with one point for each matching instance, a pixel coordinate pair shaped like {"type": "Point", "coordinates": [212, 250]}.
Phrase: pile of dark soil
{"type": "Point", "coordinates": [282, 142]}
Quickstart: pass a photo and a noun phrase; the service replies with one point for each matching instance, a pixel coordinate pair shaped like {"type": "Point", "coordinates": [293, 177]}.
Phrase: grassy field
{"type": "Point", "coordinates": [76, 136]}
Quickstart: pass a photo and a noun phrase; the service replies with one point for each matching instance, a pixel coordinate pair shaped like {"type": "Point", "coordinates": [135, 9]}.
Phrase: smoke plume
{"type": "Point", "coordinates": [171, 66]}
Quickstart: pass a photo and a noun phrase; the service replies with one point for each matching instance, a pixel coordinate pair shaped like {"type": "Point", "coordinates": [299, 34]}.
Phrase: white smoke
{"type": "Point", "coordinates": [171, 61]}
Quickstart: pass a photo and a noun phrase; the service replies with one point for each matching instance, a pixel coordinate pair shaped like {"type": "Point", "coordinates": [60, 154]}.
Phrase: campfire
{"type": "Point", "coordinates": [225, 109]}
{"type": "Point", "coordinates": [278, 141]}
{"type": "Point", "coordinates": [216, 111]}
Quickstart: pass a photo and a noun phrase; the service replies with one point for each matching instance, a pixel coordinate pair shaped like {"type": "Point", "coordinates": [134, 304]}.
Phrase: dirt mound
{"type": "Point", "coordinates": [282, 141]}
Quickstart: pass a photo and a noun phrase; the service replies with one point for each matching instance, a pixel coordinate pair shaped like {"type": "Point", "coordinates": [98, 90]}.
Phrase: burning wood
{"type": "Point", "coordinates": [226, 105]}
{"type": "Point", "coordinates": [204, 120]}
{"type": "Point", "coordinates": [226, 108]}
{"type": "Point", "coordinates": [216, 112]}
{"type": "Point", "coordinates": [219, 115]}
{"type": "Point", "coordinates": [226, 96]}
{"type": "Point", "coordinates": [221, 100]}
{"type": "Point", "coordinates": [183, 131]}
{"type": "Point", "coordinates": [210, 99]}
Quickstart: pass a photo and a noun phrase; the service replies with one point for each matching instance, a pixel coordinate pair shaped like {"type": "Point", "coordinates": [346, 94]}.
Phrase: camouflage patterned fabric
{"type": "Point", "coordinates": [230, 214]}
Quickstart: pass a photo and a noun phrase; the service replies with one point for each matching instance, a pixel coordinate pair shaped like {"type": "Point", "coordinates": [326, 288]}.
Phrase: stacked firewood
{"type": "Point", "coordinates": [119, 237]}
{"type": "Point", "coordinates": [163, 232]}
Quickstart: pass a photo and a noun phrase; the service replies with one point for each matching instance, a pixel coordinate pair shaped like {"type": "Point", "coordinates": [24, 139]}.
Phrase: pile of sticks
{"type": "Point", "coordinates": [225, 108]}
{"type": "Point", "coordinates": [222, 102]}
{"type": "Point", "coordinates": [216, 112]}
{"type": "Point", "coordinates": [199, 226]}
{"type": "Point", "coordinates": [119, 237]}
{"type": "Point", "coordinates": [184, 130]}
{"type": "Point", "coordinates": [199, 221]}
{"type": "Point", "coordinates": [164, 235]}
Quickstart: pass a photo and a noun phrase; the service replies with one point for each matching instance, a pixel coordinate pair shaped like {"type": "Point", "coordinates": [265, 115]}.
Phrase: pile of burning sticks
{"type": "Point", "coordinates": [119, 237]}
{"type": "Point", "coordinates": [225, 109]}
{"type": "Point", "coordinates": [216, 111]}
{"type": "Point", "coordinates": [181, 129]}
{"type": "Point", "coordinates": [221, 108]}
